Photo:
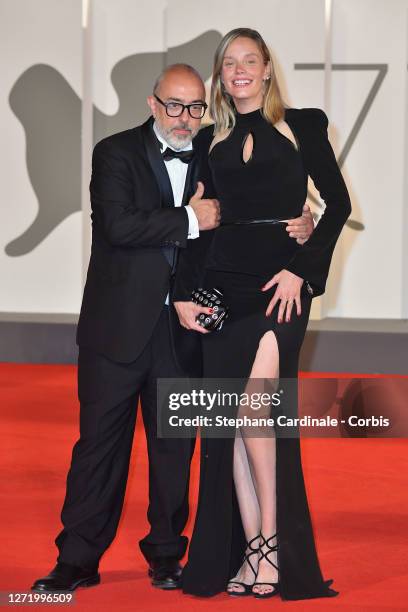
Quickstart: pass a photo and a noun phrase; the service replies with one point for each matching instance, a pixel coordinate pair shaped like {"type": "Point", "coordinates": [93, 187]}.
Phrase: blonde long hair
{"type": "Point", "coordinates": [221, 104]}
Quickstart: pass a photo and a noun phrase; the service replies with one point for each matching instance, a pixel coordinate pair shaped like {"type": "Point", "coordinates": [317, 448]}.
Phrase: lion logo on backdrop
{"type": "Point", "coordinates": [50, 113]}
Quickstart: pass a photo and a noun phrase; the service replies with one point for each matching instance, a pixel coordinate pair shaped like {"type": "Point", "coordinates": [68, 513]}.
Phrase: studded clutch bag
{"type": "Point", "coordinates": [211, 298]}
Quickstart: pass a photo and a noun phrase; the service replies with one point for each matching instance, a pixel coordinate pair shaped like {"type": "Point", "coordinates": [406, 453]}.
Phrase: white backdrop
{"type": "Point", "coordinates": [374, 273]}
{"type": "Point", "coordinates": [43, 273]}
{"type": "Point", "coordinates": [48, 278]}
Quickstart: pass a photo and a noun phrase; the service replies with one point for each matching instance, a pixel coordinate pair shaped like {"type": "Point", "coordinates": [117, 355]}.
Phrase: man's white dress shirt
{"type": "Point", "coordinates": [177, 171]}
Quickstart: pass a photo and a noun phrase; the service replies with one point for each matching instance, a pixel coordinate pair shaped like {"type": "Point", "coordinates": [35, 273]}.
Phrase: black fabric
{"type": "Point", "coordinates": [315, 159]}
{"type": "Point", "coordinates": [239, 260]}
{"type": "Point", "coordinates": [135, 229]}
{"type": "Point", "coordinates": [127, 339]}
{"type": "Point", "coordinates": [191, 260]}
{"type": "Point", "coordinates": [96, 482]}
{"type": "Point", "coordinates": [218, 542]}
{"type": "Point", "coordinates": [312, 261]}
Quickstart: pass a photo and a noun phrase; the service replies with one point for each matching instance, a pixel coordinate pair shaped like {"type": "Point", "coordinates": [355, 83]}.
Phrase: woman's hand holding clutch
{"type": "Point", "coordinates": [287, 291]}
{"type": "Point", "coordinates": [187, 314]}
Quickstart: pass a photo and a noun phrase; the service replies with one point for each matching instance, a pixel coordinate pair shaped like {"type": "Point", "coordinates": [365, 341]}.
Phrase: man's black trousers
{"type": "Point", "coordinates": [96, 482]}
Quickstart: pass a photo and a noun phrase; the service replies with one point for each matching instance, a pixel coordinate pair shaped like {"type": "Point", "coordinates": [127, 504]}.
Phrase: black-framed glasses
{"type": "Point", "coordinates": [196, 110]}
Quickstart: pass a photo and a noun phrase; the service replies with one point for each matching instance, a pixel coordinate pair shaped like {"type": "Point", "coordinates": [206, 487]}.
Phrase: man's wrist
{"type": "Point", "coordinates": [193, 227]}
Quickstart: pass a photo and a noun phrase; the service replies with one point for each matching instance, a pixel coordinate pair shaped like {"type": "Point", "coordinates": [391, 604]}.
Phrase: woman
{"type": "Point", "coordinates": [253, 533]}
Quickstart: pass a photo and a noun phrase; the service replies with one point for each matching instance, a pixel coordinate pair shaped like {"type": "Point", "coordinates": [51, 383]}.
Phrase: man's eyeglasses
{"type": "Point", "coordinates": [196, 110]}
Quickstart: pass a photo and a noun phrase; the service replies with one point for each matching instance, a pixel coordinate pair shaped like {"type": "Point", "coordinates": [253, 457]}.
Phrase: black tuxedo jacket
{"type": "Point", "coordinates": [136, 231]}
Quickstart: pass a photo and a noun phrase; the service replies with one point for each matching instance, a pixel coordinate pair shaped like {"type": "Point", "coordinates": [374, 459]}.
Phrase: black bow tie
{"type": "Point", "coordinates": [184, 156]}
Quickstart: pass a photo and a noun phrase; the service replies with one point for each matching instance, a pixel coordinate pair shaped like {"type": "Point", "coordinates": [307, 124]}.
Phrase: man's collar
{"type": "Point", "coordinates": [165, 144]}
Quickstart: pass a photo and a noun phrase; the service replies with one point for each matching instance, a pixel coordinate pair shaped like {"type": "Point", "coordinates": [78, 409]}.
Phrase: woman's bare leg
{"type": "Point", "coordinates": [250, 513]}
{"type": "Point", "coordinates": [255, 471]}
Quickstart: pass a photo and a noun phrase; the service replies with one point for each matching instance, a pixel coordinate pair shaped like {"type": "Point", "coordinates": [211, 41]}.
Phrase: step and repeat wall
{"type": "Point", "coordinates": [75, 71]}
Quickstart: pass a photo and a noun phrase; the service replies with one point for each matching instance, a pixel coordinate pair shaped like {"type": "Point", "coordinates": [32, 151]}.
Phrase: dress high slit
{"type": "Point", "coordinates": [240, 259]}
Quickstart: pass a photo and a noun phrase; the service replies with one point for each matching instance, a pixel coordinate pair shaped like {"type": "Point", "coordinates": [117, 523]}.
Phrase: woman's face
{"type": "Point", "coordinates": [243, 71]}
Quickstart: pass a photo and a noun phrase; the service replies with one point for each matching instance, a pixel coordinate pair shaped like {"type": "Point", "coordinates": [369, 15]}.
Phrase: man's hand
{"type": "Point", "coordinates": [207, 211]}
{"type": "Point", "coordinates": [187, 313]}
{"type": "Point", "coordinates": [302, 227]}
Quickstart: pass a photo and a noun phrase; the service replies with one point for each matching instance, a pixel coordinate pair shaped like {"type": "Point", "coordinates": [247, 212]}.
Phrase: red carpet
{"type": "Point", "coordinates": [357, 493]}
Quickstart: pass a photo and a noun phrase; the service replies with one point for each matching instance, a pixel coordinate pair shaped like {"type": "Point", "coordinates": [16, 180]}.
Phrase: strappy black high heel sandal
{"type": "Point", "coordinates": [264, 555]}
{"type": "Point", "coordinates": [247, 587]}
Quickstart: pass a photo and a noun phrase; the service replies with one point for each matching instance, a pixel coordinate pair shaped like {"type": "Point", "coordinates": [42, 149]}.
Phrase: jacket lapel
{"type": "Point", "coordinates": [157, 164]}
{"type": "Point", "coordinates": [191, 181]}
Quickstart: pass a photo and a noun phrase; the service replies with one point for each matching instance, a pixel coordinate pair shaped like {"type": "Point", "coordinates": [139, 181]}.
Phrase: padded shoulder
{"type": "Point", "coordinates": [314, 118]}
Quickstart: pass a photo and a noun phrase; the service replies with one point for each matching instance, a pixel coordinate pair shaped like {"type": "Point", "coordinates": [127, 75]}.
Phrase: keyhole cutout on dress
{"type": "Point", "coordinates": [284, 129]}
{"type": "Point", "coordinates": [247, 148]}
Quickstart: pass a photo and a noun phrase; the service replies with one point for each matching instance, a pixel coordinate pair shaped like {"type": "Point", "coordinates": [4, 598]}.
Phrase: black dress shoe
{"type": "Point", "coordinates": [165, 573]}
{"type": "Point", "coordinates": [66, 577]}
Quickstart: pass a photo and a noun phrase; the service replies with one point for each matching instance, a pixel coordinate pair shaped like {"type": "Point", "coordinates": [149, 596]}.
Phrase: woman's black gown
{"type": "Point", "coordinates": [240, 259]}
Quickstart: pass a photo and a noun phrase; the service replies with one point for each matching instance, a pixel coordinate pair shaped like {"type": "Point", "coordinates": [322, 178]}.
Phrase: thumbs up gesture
{"type": "Point", "coordinates": [207, 210]}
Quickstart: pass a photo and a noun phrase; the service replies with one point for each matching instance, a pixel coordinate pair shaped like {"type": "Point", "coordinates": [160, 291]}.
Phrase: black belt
{"type": "Point", "coordinates": [252, 221]}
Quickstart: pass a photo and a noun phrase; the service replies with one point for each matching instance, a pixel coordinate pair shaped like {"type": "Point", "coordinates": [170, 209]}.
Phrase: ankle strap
{"type": "Point", "coordinates": [249, 544]}
{"type": "Point", "coordinates": [265, 542]}
{"type": "Point", "coordinates": [253, 551]}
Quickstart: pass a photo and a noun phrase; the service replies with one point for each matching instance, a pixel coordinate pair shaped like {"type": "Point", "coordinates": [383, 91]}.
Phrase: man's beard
{"type": "Point", "coordinates": [178, 142]}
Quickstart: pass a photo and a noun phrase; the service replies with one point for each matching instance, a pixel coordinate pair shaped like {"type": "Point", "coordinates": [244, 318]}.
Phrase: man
{"type": "Point", "coordinates": [146, 204]}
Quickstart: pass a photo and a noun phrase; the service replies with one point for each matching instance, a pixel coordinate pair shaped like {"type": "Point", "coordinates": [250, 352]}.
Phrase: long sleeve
{"type": "Point", "coordinates": [312, 261]}
{"type": "Point", "coordinates": [117, 213]}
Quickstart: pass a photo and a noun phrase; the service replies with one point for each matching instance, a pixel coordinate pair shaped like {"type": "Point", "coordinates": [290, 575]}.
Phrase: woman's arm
{"type": "Point", "coordinates": [312, 261]}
